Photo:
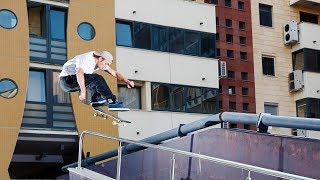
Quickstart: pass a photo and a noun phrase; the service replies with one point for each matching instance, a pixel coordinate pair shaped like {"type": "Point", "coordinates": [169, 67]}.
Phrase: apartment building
{"type": "Point", "coordinates": [235, 51]}
{"type": "Point", "coordinates": [286, 58]}
{"type": "Point", "coordinates": [161, 45]}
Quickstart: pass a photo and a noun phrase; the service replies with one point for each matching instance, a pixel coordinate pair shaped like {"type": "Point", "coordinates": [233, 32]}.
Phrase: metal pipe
{"type": "Point", "coordinates": [271, 120]}
{"type": "Point", "coordinates": [172, 172]}
{"type": "Point", "coordinates": [243, 166]}
{"type": "Point", "coordinates": [119, 160]}
{"type": "Point", "coordinates": [80, 150]}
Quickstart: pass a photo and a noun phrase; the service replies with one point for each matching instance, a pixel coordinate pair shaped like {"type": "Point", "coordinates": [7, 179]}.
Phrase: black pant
{"type": "Point", "coordinates": [95, 86]}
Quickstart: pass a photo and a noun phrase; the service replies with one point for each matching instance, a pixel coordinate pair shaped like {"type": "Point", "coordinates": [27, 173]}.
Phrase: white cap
{"type": "Point", "coordinates": [106, 55]}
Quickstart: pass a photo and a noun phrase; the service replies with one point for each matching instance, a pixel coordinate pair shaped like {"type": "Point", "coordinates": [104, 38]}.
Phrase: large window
{"type": "Point", "coordinates": [268, 66]}
{"type": "Point", "coordinates": [307, 60]}
{"type": "Point", "coordinates": [176, 39]}
{"type": "Point", "coordinates": [142, 35]}
{"type": "Point", "coordinates": [159, 38]}
{"type": "Point", "coordinates": [58, 24]}
{"type": "Point", "coordinates": [131, 98]}
{"type": "Point", "coordinates": [192, 43]}
{"type": "Point", "coordinates": [59, 96]}
{"type": "Point", "coordinates": [124, 34]}
{"type": "Point", "coordinates": [166, 39]}
{"type": "Point", "coordinates": [36, 87]}
{"type": "Point", "coordinates": [168, 97]}
{"type": "Point", "coordinates": [265, 12]}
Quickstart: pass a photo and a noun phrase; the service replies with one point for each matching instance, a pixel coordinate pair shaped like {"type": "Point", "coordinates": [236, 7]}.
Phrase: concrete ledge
{"type": "Point", "coordinates": [86, 174]}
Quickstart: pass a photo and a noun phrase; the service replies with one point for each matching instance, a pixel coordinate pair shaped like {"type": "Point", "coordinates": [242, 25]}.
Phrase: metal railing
{"type": "Point", "coordinates": [242, 166]}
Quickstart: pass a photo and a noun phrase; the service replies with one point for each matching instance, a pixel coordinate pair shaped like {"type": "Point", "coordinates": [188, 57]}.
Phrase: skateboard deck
{"type": "Point", "coordinates": [117, 121]}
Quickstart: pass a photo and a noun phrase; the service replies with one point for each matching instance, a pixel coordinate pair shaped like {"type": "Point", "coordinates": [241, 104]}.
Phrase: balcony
{"type": "Point", "coordinates": [309, 36]}
{"type": "Point", "coordinates": [315, 4]}
{"type": "Point", "coordinates": [310, 88]}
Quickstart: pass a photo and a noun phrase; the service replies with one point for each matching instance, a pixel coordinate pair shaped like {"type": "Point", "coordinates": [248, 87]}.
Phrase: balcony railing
{"type": "Point", "coordinates": [53, 52]}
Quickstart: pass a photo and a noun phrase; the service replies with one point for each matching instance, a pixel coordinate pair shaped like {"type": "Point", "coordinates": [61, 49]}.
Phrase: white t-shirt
{"type": "Point", "coordinates": [85, 61]}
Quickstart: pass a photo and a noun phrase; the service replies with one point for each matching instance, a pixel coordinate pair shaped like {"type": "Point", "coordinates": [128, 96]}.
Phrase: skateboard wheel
{"type": "Point", "coordinates": [95, 114]}
{"type": "Point", "coordinates": [123, 125]}
{"type": "Point", "coordinates": [114, 123]}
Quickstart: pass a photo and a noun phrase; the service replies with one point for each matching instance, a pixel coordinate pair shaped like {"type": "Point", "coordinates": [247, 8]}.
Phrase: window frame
{"type": "Point", "coordinates": [270, 22]}
{"type": "Point", "coordinates": [16, 17]}
{"type": "Point", "coordinates": [274, 65]}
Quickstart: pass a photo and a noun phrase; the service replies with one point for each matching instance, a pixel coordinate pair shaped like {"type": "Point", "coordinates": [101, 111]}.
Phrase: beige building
{"type": "Point", "coordinates": [274, 60]}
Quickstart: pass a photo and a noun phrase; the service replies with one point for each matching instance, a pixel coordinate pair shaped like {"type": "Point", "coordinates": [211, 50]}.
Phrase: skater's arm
{"type": "Point", "coordinates": [80, 79]}
{"type": "Point", "coordinates": [120, 77]}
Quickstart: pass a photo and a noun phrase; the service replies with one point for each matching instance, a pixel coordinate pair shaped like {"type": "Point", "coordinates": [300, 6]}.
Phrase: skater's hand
{"type": "Point", "coordinates": [130, 84]}
{"type": "Point", "coordinates": [82, 96]}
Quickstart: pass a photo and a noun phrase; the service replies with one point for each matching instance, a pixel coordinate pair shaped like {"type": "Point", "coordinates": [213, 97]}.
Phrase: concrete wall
{"type": "Point", "coordinates": [167, 67]}
{"type": "Point", "coordinates": [14, 55]}
{"type": "Point", "coordinates": [311, 88]}
{"type": "Point", "coordinates": [173, 13]}
{"type": "Point", "coordinates": [309, 36]}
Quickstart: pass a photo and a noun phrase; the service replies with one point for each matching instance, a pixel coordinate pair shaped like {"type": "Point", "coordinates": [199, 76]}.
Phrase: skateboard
{"type": "Point", "coordinates": [117, 121]}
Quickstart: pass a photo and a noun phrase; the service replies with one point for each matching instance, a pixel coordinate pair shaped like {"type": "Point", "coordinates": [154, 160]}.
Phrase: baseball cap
{"type": "Point", "coordinates": [105, 54]}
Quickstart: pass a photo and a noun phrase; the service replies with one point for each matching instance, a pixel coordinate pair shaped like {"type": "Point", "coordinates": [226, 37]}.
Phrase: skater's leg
{"type": "Point", "coordinates": [97, 83]}
{"type": "Point", "coordinates": [69, 83]}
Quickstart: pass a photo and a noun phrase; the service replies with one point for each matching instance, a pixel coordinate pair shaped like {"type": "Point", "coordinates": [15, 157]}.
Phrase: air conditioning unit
{"type": "Point", "coordinates": [295, 81]}
{"type": "Point", "coordinates": [222, 69]}
{"type": "Point", "coordinates": [290, 33]}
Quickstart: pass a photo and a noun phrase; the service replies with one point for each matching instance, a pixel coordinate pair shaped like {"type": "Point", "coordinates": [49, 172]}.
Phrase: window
{"type": "Point", "coordinates": [244, 76]}
{"type": "Point", "coordinates": [265, 12]}
{"type": "Point", "coordinates": [240, 5]}
{"type": "Point", "coordinates": [229, 23]}
{"type": "Point", "coordinates": [232, 106]}
{"type": "Point", "coordinates": [217, 21]}
{"type": "Point", "coordinates": [231, 90]}
{"type": "Point", "coordinates": [36, 87]}
{"type": "Point", "coordinates": [8, 19]}
{"type": "Point", "coordinates": [242, 25]}
{"type": "Point", "coordinates": [58, 24]}
{"type": "Point", "coordinates": [211, 1]}
{"type": "Point", "coordinates": [271, 108]}
{"type": "Point", "coordinates": [160, 97]}
{"type": "Point", "coordinates": [307, 59]}
{"type": "Point", "coordinates": [220, 89]}
{"type": "Point", "coordinates": [124, 34]}
{"type": "Point", "coordinates": [142, 36]}
{"type": "Point", "coordinates": [192, 43]}
{"type": "Point", "coordinates": [230, 74]}
{"type": "Point", "coordinates": [36, 21]}
{"type": "Point", "coordinates": [217, 36]}
{"type": "Point", "coordinates": [268, 66]}
{"type": "Point", "coordinates": [220, 105]}
{"type": "Point", "coordinates": [245, 91]}
{"type": "Point", "coordinates": [59, 96]}
{"type": "Point", "coordinates": [176, 40]}
{"type": "Point", "coordinates": [218, 52]}
{"type": "Point", "coordinates": [308, 107]}
{"type": "Point", "coordinates": [227, 3]}
{"type": "Point", "coordinates": [243, 55]}
{"type": "Point", "coordinates": [86, 31]}
{"type": "Point", "coordinates": [8, 88]}
{"type": "Point", "coordinates": [131, 98]}
{"type": "Point", "coordinates": [243, 40]}
{"type": "Point", "coordinates": [208, 45]}
{"type": "Point", "coordinates": [178, 97]}
{"type": "Point", "coordinates": [229, 38]}
{"type": "Point", "coordinates": [159, 36]}
{"type": "Point", "coordinates": [230, 54]}
{"type": "Point", "coordinates": [170, 97]}
{"type": "Point", "coordinates": [245, 107]}
{"type": "Point", "coordinates": [307, 17]}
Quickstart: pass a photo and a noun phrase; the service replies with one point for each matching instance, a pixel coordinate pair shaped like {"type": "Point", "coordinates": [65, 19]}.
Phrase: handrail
{"type": "Point", "coordinates": [243, 166]}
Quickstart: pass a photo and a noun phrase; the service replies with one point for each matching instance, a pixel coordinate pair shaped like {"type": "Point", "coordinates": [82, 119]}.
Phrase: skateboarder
{"type": "Point", "coordinates": [78, 75]}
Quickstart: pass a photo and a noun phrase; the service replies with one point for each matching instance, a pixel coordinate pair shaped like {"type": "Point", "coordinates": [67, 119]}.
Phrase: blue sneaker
{"type": "Point", "coordinates": [117, 106]}
{"type": "Point", "coordinates": [100, 101]}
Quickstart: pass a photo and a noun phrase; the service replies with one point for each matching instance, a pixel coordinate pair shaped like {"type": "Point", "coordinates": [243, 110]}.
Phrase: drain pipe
{"type": "Point", "coordinates": [262, 121]}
